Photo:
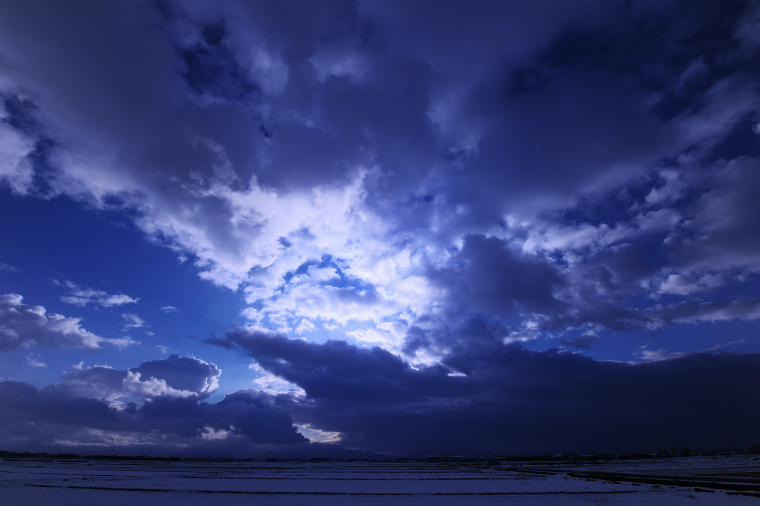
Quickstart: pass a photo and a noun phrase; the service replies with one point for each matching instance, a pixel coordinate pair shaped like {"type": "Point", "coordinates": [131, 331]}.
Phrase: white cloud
{"type": "Point", "coordinates": [169, 309]}
{"type": "Point", "coordinates": [657, 355]}
{"type": "Point", "coordinates": [179, 377]}
{"type": "Point", "coordinates": [681, 284]}
{"type": "Point", "coordinates": [391, 341]}
{"type": "Point", "coordinates": [33, 360]}
{"type": "Point", "coordinates": [122, 342]}
{"type": "Point", "coordinates": [305, 326]}
{"type": "Point", "coordinates": [152, 387]}
{"type": "Point", "coordinates": [133, 321]}
{"type": "Point", "coordinates": [212, 434]}
{"type": "Point", "coordinates": [316, 435]}
{"type": "Point", "coordinates": [85, 296]}
{"type": "Point", "coordinates": [25, 326]}
{"type": "Point", "coordinates": [272, 384]}
{"type": "Point", "coordinates": [15, 169]}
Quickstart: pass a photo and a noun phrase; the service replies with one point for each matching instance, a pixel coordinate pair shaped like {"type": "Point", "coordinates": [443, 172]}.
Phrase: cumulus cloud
{"type": "Point", "coordinates": [154, 407]}
{"type": "Point", "coordinates": [25, 326]}
{"type": "Point", "coordinates": [241, 422]}
{"type": "Point", "coordinates": [175, 376]}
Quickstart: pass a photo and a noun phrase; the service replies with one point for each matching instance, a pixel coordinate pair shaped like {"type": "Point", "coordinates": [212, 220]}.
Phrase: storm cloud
{"type": "Point", "coordinates": [504, 398]}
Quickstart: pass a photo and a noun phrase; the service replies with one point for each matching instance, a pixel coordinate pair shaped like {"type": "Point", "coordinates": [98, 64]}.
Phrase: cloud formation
{"type": "Point", "coordinates": [175, 376]}
{"type": "Point", "coordinates": [87, 296]}
{"type": "Point", "coordinates": [496, 150]}
{"type": "Point", "coordinates": [484, 394]}
{"type": "Point", "coordinates": [152, 408]}
{"type": "Point", "coordinates": [24, 326]}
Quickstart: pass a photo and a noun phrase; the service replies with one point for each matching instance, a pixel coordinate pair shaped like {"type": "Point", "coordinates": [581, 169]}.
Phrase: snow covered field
{"type": "Point", "coordinates": [84, 482]}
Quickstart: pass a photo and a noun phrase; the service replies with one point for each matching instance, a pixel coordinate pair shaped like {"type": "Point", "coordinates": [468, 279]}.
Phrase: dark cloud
{"type": "Point", "coordinates": [487, 275]}
{"type": "Point", "coordinates": [254, 415]}
{"type": "Point", "coordinates": [581, 342]}
{"type": "Point", "coordinates": [22, 402]}
{"type": "Point", "coordinates": [723, 217]}
{"type": "Point", "coordinates": [211, 69]}
{"type": "Point", "coordinates": [511, 399]}
{"type": "Point", "coordinates": [339, 371]}
{"type": "Point", "coordinates": [154, 407]}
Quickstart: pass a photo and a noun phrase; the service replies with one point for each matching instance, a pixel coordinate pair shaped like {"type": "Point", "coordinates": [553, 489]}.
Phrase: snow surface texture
{"type": "Point", "coordinates": [85, 482]}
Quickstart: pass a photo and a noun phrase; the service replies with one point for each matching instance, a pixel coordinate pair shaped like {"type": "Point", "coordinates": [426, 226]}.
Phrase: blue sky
{"type": "Point", "coordinates": [246, 228]}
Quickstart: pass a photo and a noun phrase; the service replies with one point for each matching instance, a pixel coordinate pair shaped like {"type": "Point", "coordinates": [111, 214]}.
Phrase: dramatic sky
{"type": "Point", "coordinates": [248, 227]}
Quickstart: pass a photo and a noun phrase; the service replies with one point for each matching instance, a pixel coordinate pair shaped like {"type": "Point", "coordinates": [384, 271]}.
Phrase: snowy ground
{"type": "Point", "coordinates": [84, 482]}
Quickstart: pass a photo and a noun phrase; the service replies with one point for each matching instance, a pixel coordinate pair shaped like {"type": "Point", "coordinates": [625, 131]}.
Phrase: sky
{"type": "Point", "coordinates": [259, 228]}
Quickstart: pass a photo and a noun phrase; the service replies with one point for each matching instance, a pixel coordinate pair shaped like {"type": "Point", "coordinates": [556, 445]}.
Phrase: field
{"type": "Point", "coordinates": [723, 480]}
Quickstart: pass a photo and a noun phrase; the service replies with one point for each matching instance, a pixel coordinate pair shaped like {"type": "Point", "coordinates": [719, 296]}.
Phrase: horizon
{"type": "Point", "coordinates": [400, 228]}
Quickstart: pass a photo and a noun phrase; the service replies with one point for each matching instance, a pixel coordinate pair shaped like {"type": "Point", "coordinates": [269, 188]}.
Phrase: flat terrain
{"type": "Point", "coordinates": [701, 480]}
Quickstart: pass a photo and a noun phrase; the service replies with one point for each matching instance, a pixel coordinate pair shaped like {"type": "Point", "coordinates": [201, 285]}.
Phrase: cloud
{"type": "Point", "coordinates": [175, 376]}
{"type": "Point", "coordinates": [133, 321]}
{"type": "Point", "coordinates": [488, 275]}
{"type": "Point", "coordinates": [169, 309]}
{"type": "Point", "coordinates": [374, 400]}
{"type": "Point", "coordinates": [334, 370]}
{"type": "Point", "coordinates": [692, 311]}
{"type": "Point", "coordinates": [722, 218]}
{"type": "Point", "coordinates": [33, 360]}
{"type": "Point", "coordinates": [85, 296]}
{"type": "Point", "coordinates": [22, 403]}
{"type": "Point", "coordinates": [277, 147]}
{"type": "Point", "coordinates": [657, 355]}
{"type": "Point", "coordinates": [184, 373]}
{"type": "Point", "coordinates": [24, 326]}
{"type": "Point", "coordinates": [16, 170]}
{"type": "Point", "coordinates": [581, 342]}
{"type": "Point", "coordinates": [236, 425]}
{"type": "Point", "coordinates": [154, 407]}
